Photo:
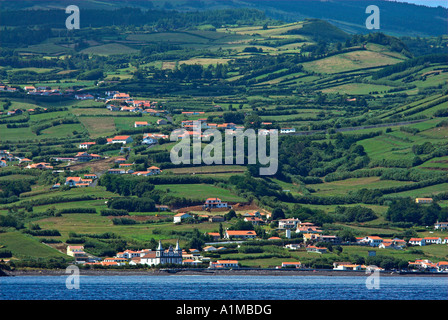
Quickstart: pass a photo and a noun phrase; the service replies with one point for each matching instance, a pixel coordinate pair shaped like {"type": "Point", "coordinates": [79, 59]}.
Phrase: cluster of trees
{"type": "Point", "coordinates": [132, 204]}
{"type": "Point", "coordinates": [13, 187]}
{"type": "Point", "coordinates": [402, 66]}
{"type": "Point", "coordinates": [406, 210]}
{"type": "Point", "coordinates": [134, 186]}
{"type": "Point", "coordinates": [354, 214]}
{"type": "Point", "coordinates": [187, 72]}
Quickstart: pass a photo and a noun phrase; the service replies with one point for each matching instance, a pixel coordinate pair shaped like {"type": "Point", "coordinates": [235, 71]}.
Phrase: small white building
{"type": "Point", "coordinates": [138, 124]}
{"type": "Point", "coordinates": [214, 203]}
{"type": "Point", "coordinates": [120, 139]}
{"type": "Point", "coordinates": [181, 216]}
{"type": "Point", "coordinates": [224, 264]}
{"type": "Point", "coordinates": [417, 241]}
{"type": "Point", "coordinates": [240, 234]}
{"type": "Point", "coordinates": [287, 130]}
{"type": "Point", "coordinates": [86, 145]}
{"type": "Point", "coordinates": [288, 223]}
{"type": "Point", "coordinates": [373, 241]}
{"type": "Point", "coordinates": [432, 240]}
{"type": "Point", "coordinates": [441, 226]}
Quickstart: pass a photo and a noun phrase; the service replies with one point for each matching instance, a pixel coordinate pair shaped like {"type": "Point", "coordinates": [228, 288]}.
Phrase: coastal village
{"type": "Point", "coordinates": [288, 231]}
{"type": "Point", "coordinates": [178, 257]}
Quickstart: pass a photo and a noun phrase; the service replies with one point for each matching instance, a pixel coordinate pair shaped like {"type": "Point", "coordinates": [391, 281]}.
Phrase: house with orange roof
{"type": "Point", "coordinates": [316, 249]}
{"type": "Point", "coordinates": [40, 165]}
{"type": "Point", "coordinates": [77, 182]}
{"type": "Point", "coordinates": [293, 264]}
{"type": "Point", "coordinates": [154, 170]}
{"type": "Point", "coordinates": [120, 139]}
{"type": "Point", "coordinates": [346, 266]}
{"type": "Point", "coordinates": [3, 163]}
{"type": "Point", "coordinates": [392, 244]}
{"type": "Point", "coordinates": [432, 240]}
{"type": "Point", "coordinates": [138, 124]}
{"type": "Point", "coordinates": [121, 96]}
{"type": "Point", "coordinates": [442, 266]}
{"type": "Point", "coordinates": [254, 220]}
{"type": "Point", "coordinates": [86, 145]}
{"type": "Point", "coordinates": [288, 223]}
{"type": "Point", "coordinates": [423, 264]}
{"type": "Point", "coordinates": [224, 264]}
{"type": "Point", "coordinates": [417, 241]}
{"type": "Point", "coordinates": [24, 160]}
{"type": "Point", "coordinates": [212, 203]}
{"type": "Point", "coordinates": [71, 249]}
{"type": "Point", "coordinates": [181, 216]}
{"type": "Point", "coordinates": [308, 230]}
{"type": "Point", "coordinates": [441, 225]}
{"type": "Point", "coordinates": [191, 262]}
{"type": "Point", "coordinates": [84, 156]}
{"type": "Point", "coordinates": [214, 235]}
{"type": "Point", "coordinates": [373, 241]}
{"type": "Point", "coordinates": [240, 234]}
{"type": "Point", "coordinates": [423, 200]}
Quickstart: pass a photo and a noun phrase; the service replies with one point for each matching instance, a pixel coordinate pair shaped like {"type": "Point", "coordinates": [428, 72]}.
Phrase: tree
{"type": "Point", "coordinates": [278, 213]}
{"type": "Point", "coordinates": [221, 231]}
{"type": "Point", "coordinates": [229, 215]}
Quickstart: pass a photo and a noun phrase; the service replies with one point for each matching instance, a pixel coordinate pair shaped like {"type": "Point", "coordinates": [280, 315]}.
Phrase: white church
{"type": "Point", "coordinates": [160, 256]}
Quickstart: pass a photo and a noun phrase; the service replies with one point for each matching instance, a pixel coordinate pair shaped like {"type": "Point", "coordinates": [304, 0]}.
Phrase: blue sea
{"type": "Point", "coordinates": [184, 287]}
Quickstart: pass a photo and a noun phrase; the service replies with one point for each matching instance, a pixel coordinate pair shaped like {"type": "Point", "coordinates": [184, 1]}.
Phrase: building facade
{"type": "Point", "coordinates": [161, 256]}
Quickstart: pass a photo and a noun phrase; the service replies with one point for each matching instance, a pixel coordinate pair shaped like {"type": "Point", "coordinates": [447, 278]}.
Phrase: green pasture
{"type": "Point", "coordinates": [200, 191]}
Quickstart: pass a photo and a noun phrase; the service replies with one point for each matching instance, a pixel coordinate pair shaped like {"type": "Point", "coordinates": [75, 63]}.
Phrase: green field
{"type": "Point", "coordinates": [200, 191]}
{"type": "Point", "coordinates": [22, 245]}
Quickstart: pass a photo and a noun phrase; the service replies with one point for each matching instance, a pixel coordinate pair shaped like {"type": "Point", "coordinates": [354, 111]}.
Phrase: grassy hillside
{"type": "Point", "coordinates": [370, 120]}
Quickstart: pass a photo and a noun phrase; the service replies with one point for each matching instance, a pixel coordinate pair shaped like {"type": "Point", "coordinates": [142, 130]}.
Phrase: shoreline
{"type": "Point", "coordinates": [208, 272]}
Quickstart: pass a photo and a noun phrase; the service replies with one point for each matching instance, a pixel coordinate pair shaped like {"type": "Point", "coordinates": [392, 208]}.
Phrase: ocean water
{"type": "Point", "coordinates": [184, 287]}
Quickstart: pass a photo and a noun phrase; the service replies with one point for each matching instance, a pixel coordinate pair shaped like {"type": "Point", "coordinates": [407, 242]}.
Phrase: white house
{"type": "Point", "coordinates": [71, 250]}
{"type": "Point", "coordinates": [153, 170]}
{"type": "Point", "coordinates": [294, 264]}
{"type": "Point", "coordinates": [138, 124]}
{"type": "Point", "coordinates": [287, 130]}
{"type": "Point", "coordinates": [432, 240]}
{"type": "Point", "coordinates": [120, 139]}
{"type": "Point", "coordinates": [86, 145]}
{"type": "Point", "coordinates": [346, 266]}
{"type": "Point", "coordinates": [224, 264]}
{"type": "Point", "coordinates": [441, 225]}
{"type": "Point", "coordinates": [209, 248]}
{"type": "Point", "coordinates": [373, 241]}
{"type": "Point", "coordinates": [214, 203]}
{"type": "Point", "coordinates": [288, 223]}
{"type": "Point", "coordinates": [240, 234]}
{"type": "Point", "coordinates": [180, 216]}
{"type": "Point", "coordinates": [417, 241]}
